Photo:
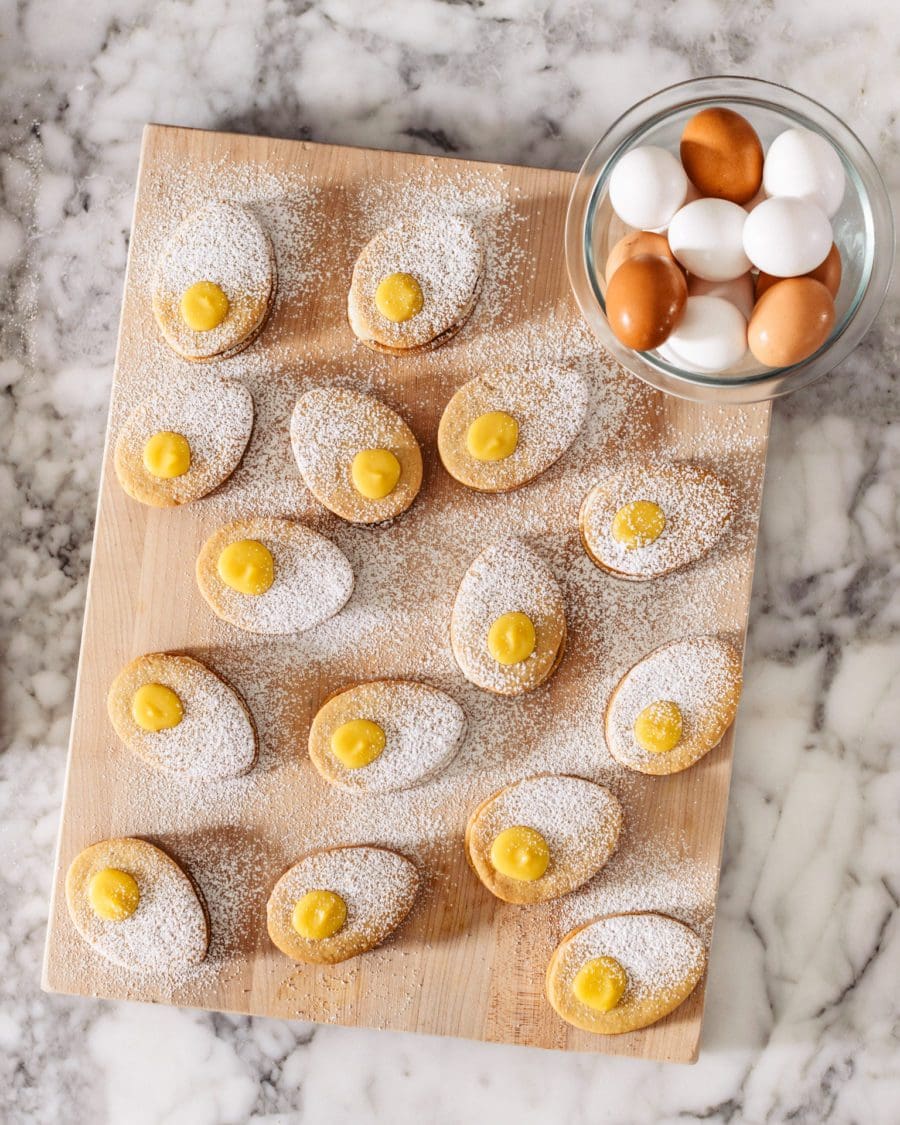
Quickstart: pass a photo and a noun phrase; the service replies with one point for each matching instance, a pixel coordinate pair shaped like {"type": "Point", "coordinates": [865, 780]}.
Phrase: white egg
{"type": "Point", "coordinates": [739, 291]}
{"type": "Point", "coordinates": [711, 337]}
{"type": "Point", "coordinates": [706, 237]}
{"type": "Point", "coordinates": [647, 186]}
{"type": "Point", "coordinates": [803, 165]}
{"type": "Point", "coordinates": [786, 237]}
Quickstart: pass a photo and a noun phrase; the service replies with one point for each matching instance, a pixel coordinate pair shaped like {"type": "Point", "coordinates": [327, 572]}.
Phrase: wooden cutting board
{"type": "Point", "coordinates": [464, 964]}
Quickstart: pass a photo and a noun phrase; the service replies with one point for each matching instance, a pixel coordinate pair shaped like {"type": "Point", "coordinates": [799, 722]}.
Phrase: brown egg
{"type": "Point", "coordinates": [645, 300]}
{"type": "Point", "coordinates": [790, 321]}
{"type": "Point", "coordinates": [829, 273]}
{"type": "Point", "coordinates": [722, 155]}
{"type": "Point", "coordinates": [637, 242]}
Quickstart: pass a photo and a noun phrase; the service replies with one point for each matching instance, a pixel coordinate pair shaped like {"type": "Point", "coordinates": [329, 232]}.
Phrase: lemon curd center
{"type": "Point", "coordinates": [319, 915]}
{"type": "Point", "coordinates": [600, 983]}
{"type": "Point", "coordinates": [511, 638]}
{"type": "Point", "coordinates": [357, 743]}
{"type": "Point", "coordinates": [247, 566]}
{"type": "Point", "coordinates": [493, 436]}
{"type": "Point", "coordinates": [638, 524]}
{"type": "Point", "coordinates": [658, 728]}
{"type": "Point", "coordinates": [167, 455]}
{"type": "Point", "coordinates": [520, 853]}
{"type": "Point", "coordinates": [155, 707]}
{"type": "Point", "coordinates": [399, 297]}
{"type": "Point", "coordinates": [204, 306]}
{"type": "Point", "coordinates": [375, 473]}
{"type": "Point", "coordinates": [114, 895]}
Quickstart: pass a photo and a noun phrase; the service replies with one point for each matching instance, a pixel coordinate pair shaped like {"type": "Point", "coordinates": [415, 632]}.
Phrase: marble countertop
{"type": "Point", "coordinates": [803, 1005]}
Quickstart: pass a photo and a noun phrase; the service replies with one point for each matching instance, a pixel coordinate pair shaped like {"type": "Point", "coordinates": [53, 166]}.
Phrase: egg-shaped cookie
{"type": "Point", "coordinates": [543, 836]}
{"type": "Point", "coordinates": [415, 284]}
{"type": "Point", "coordinates": [184, 441]}
{"type": "Point", "coordinates": [215, 282]}
{"type": "Point", "coordinates": [501, 430]}
{"type": "Point", "coordinates": [269, 575]}
{"type": "Point", "coordinates": [623, 972]}
{"type": "Point", "coordinates": [182, 717]}
{"type": "Point", "coordinates": [384, 735]}
{"type": "Point", "coordinates": [339, 902]}
{"type": "Point", "coordinates": [508, 626]}
{"type": "Point", "coordinates": [135, 906]}
{"type": "Point", "coordinates": [357, 456]}
{"type": "Point", "coordinates": [674, 705]}
{"type": "Point", "coordinates": [646, 520]}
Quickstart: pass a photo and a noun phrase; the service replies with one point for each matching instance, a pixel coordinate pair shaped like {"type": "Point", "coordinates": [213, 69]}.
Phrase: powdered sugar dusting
{"type": "Point", "coordinates": [696, 505]}
{"type": "Point", "coordinates": [441, 252]}
{"type": "Point", "coordinates": [371, 881]}
{"type": "Point", "coordinates": [312, 578]}
{"type": "Point", "coordinates": [697, 674]}
{"type": "Point", "coordinates": [579, 820]}
{"type": "Point", "coordinates": [423, 729]}
{"type": "Point", "coordinates": [406, 573]}
{"type": "Point", "coordinates": [657, 953]}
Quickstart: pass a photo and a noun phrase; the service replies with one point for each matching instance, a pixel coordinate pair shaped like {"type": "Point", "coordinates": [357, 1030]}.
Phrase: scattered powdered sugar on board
{"type": "Point", "coordinates": [237, 836]}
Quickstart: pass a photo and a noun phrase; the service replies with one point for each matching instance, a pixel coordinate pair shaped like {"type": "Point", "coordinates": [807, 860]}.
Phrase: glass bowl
{"type": "Point", "coordinates": [863, 231]}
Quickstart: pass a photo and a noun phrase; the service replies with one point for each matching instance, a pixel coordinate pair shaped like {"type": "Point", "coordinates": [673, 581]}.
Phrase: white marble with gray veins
{"type": "Point", "coordinates": [804, 1010]}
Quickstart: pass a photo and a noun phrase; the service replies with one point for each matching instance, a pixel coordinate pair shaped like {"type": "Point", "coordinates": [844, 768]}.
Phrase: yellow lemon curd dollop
{"type": "Point", "coordinates": [600, 983]}
{"type": "Point", "coordinates": [167, 455]}
{"type": "Point", "coordinates": [156, 707]}
{"type": "Point", "coordinates": [493, 436]}
{"type": "Point", "coordinates": [399, 297]}
{"type": "Point", "coordinates": [520, 853]}
{"type": "Point", "coordinates": [319, 915]}
{"type": "Point", "coordinates": [357, 743]}
{"type": "Point", "coordinates": [638, 524]}
{"type": "Point", "coordinates": [114, 895]}
{"type": "Point", "coordinates": [658, 728]}
{"type": "Point", "coordinates": [375, 473]}
{"type": "Point", "coordinates": [511, 638]}
{"type": "Point", "coordinates": [204, 306]}
{"type": "Point", "coordinates": [247, 566]}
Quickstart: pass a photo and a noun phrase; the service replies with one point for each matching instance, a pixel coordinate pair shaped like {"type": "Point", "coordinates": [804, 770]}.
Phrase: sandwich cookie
{"type": "Point", "coordinates": [181, 717]}
{"type": "Point", "coordinates": [336, 903]}
{"type": "Point", "coordinates": [215, 283]}
{"type": "Point", "coordinates": [500, 431]}
{"type": "Point", "coordinates": [674, 706]}
{"type": "Point", "coordinates": [181, 444]}
{"type": "Point", "coordinates": [357, 456]}
{"type": "Point", "coordinates": [415, 285]}
{"type": "Point", "coordinates": [385, 735]}
{"type": "Point", "coordinates": [645, 521]}
{"type": "Point", "coordinates": [269, 575]}
{"type": "Point", "coordinates": [542, 837]}
{"type": "Point", "coordinates": [508, 626]}
{"type": "Point", "coordinates": [136, 907]}
{"type": "Point", "coordinates": [624, 971]}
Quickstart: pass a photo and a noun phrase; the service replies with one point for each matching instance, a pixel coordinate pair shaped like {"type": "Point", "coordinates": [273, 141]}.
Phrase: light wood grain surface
{"type": "Point", "coordinates": [463, 964]}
